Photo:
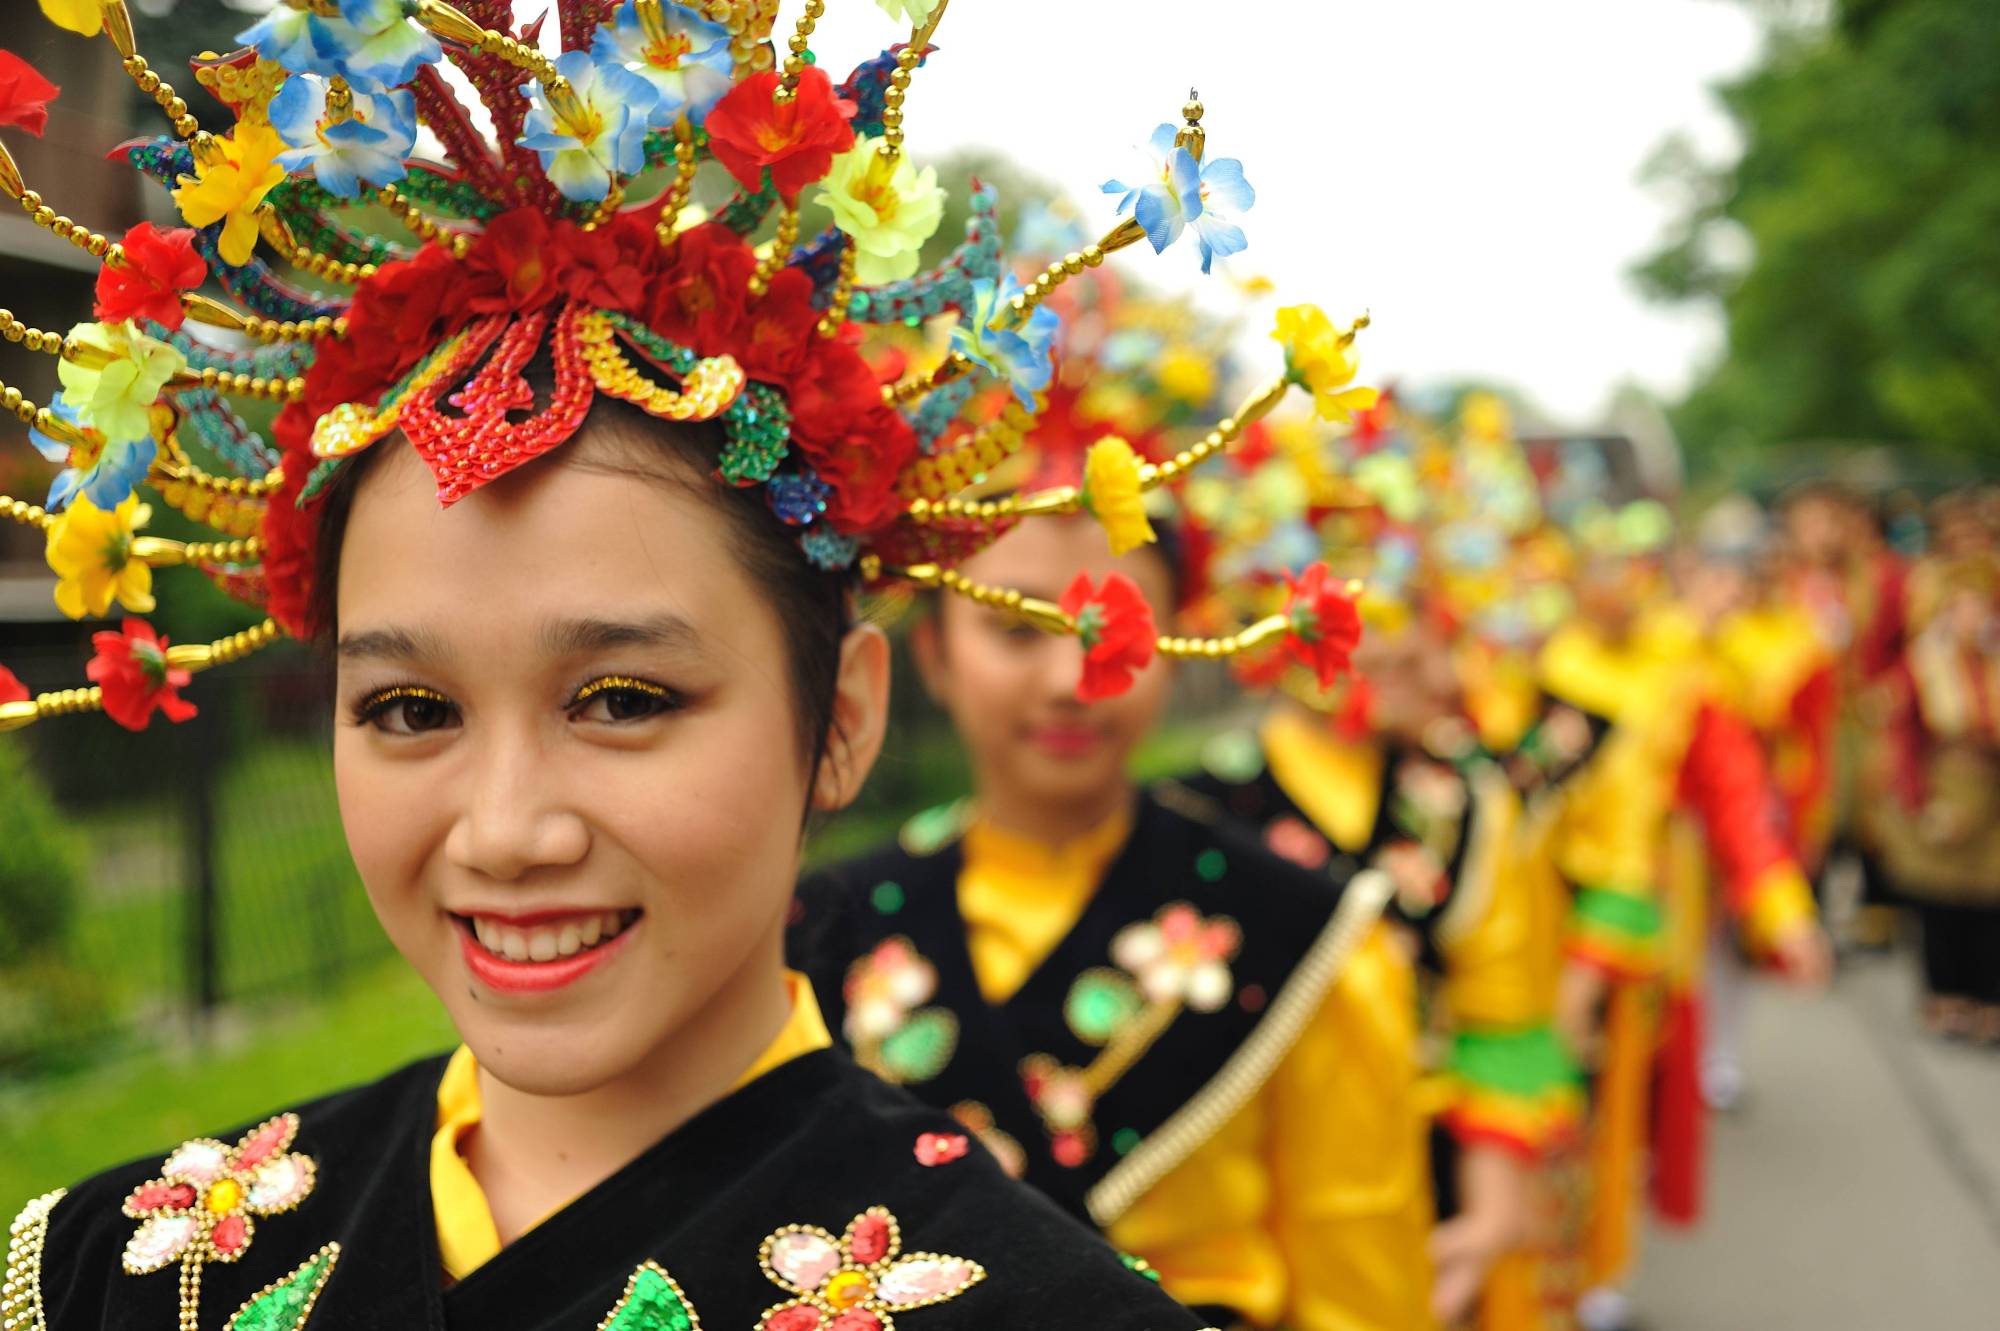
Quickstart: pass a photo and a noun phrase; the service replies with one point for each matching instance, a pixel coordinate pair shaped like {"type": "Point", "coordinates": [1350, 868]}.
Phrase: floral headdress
{"type": "Point", "coordinates": [529, 243]}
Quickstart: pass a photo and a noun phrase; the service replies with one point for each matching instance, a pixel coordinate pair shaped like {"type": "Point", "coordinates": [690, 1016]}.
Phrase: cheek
{"type": "Point", "coordinates": [391, 814]}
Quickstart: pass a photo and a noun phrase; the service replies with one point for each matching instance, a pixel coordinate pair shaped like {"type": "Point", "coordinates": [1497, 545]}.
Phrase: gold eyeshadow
{"type": "Point", "coordinates": [401, 693]}
{"type": "Point", "coordinates": [610, 682]}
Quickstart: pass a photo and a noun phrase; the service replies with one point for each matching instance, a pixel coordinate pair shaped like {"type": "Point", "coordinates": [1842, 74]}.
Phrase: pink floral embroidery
{"type": "Point", "coordinates": [1180, 957]}
{"type": "Point", "coordinates": [940, 1148]}
{"type": "Point", "coordinates": [854, 1282]}
{"type": "Point", "coordinates": [884, 987]}
{"type": "Point", "coordinates": [201, 1207]}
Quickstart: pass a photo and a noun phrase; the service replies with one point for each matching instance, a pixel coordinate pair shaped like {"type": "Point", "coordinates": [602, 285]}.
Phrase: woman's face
{"type": "Point", "coordinates": [1011, 688]}
{"type": "Point", "coordinates": [567, 759]}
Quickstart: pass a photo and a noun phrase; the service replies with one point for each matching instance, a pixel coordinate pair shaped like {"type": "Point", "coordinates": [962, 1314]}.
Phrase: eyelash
{"type": "Point", "coordinates": [370, 709]}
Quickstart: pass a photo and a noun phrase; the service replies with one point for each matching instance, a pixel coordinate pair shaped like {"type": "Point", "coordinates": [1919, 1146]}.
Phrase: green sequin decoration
{"type": "Point", "coordinates": [651, 1303]}
{"type": "Point", "coordinates": [1100, 1002]}
{"type": "Point", "coordinates": [286, 1304]}
{"type": "Point", "coordinates": [745, 212]}
{"type": "Point", "coordinates": [452, 198]}
{"type": "Point", "coordinates": [1139, 1265]}
{"type": "Point", "coordinates": [758, 423]}
{"type": "Point", "coordinates": [921, 1046]}
{"type": "Point", "coordinates": [319, 478]}
{"type": "Point", "coordinates": [887, 898]}
{"type": "Point", "coordinates": [1210, 865]}
{"type": "Point", "coordinates": [1125, 1140]}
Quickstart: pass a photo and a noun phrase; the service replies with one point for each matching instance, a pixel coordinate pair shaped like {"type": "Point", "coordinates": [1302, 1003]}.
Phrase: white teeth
{"type": "Point", "coordinates": [546, 943]}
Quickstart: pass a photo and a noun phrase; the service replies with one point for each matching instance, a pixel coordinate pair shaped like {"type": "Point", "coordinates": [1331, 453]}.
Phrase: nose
{"type": "Point", "coordinates": [516, 818]}
{"type": "Point", "coordinates": [1059, 667]}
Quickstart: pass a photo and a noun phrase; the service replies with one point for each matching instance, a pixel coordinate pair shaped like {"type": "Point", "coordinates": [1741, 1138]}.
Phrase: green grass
{"type": "Point", "coordinates": [55, 1133]}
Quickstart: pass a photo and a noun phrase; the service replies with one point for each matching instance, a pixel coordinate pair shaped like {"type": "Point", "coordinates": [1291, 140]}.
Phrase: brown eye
{"type": "Point", "coordinates": [620, 699]}
{"type": "Point", "coordinates": [407, 710]}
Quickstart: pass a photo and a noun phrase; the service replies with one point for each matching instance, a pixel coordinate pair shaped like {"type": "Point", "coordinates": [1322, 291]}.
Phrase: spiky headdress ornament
{"type": "Point", "coordinates": [526, 243]}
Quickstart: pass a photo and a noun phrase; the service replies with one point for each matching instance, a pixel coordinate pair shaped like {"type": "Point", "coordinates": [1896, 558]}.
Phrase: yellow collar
{"type": "Point", "coordinates": [1020, 897]}
{"type": "Point", "coordinates": [1337, 784]}
{"type": "Point", "coordinates": [467, 1237]}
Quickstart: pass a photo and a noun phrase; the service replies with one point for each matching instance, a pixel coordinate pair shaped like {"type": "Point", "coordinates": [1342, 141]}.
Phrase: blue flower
{"type": "Point", "coordinates": [285, 37]}
{"type": "Point", "coordinates": [602, 135]}
{"type": "Point", "coordinates": [108, 479]}
{"type": "Point", "coordinates": [687, 62]}
{"type": "Point", "coordinates": [1188, 194]}
{"type": "Point", "coordinates": [371, 44]}
{"type": "Point", "coordinates": [1023, 356]}
{"type": "Point", "coordinates": [366, 145]}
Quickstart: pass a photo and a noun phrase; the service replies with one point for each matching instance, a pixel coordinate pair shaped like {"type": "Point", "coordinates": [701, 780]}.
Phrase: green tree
{"type": "Point", "coordinates": [1867, 198]}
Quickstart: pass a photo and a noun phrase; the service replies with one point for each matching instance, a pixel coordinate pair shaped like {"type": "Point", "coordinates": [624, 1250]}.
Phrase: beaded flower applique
{"type": "Point", "coordinates": [893, 1034]}
{"type": "Point", "coordinates": [855, 1282]}
{"type": "Point", "coordinates": [1176, 961]}
{"type": "Point", "coordinates": [203, 1207]}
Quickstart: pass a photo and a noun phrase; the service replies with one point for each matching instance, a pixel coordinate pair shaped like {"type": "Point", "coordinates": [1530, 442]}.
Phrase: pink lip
{"type": "Point", "coordinates": [1065, 741]}
{"type": "Point", "coordinates": [533, 977]}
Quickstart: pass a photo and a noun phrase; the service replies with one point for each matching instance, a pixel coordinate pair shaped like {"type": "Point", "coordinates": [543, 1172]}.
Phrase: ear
{"type": "Point", "coordinates": [860, 718]}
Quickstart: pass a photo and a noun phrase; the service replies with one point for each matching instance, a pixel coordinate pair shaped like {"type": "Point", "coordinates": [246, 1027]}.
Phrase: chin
{"type": "Point", "coordinates": [542, 1060]}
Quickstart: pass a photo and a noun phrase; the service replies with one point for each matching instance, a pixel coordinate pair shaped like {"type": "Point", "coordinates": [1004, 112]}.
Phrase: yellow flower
{"type": "Point", "coordinates": [885, 206]}
{"type": "Point", "coordinates": [1186, 375]}
{"type": "Point", "coordinates": [117, 378]}
{"type": "Point", "coordinates": [1485, 417]}
{"type": "Point", "coordinates": [229, 187]}
{"type": "Point", "coordinates": [91, 553]}
{"type": "Point", "coordinates": [913, 12]}
{"type": "Point", "coordinates": [1323, 360]}
{"type": "Point", "coordinates": [79, 16]}
{"type": "Point", "coordinates": [1113, 494]}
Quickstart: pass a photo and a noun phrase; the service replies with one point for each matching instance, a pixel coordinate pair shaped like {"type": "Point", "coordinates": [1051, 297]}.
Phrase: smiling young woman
{"type": "Point", "coordinates": [579, 493]}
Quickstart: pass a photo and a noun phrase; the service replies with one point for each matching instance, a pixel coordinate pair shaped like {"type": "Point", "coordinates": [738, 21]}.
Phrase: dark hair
{"type": "Point", "coordinates": [815, 607]}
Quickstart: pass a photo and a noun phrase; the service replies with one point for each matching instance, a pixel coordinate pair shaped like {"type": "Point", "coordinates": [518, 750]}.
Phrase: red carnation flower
{"type": "Point", "coordinates": [158, 266]}
{"type": "Point", "coordinates": [1325, 626]}
{"type": "Point", "coordinates": [24, 95]}
{"type": "Point", "coordinates": [1116, 626]}
{"type": "Point", "coordinates": [750, 129]}
{"type": "Point", "coordinates": [513, 266]}
{"type": "Point", "coordinates": [291, 535]}
{"type": "Point", "coordinates": [699, 299]}
{"type": "Point", "coordinates": [11, 688]}
{"type": "Point", "coordinates": [131, 667]}
{"type": "Point", "coordinates": [609, 268]}
{"type": "Point", "coordinates": [781, 329]}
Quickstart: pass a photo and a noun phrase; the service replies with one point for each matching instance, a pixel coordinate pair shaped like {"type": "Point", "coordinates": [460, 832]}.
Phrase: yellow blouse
{"type": "Point", "coordinates": [467, 1238]}
{"type": "Point", "coordinates": [1310, 1208]}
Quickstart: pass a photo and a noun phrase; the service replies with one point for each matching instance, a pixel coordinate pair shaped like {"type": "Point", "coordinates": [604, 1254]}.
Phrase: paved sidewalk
{"type": "Point", "coordinates": [1858, 1189]}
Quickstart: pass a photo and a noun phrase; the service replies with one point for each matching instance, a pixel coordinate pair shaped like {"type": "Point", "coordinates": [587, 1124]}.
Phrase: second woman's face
{"type": "Point", "coordinates": [567, 759]}
{"type": "Point", "coordinates": [1011, 688]}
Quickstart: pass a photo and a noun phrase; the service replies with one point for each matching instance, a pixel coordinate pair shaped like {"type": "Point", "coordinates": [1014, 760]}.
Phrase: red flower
{"type": "Point", "coordinates": [780, 330]}
{"type": "Point", "coordinates": [158, 266]}
{"type": "Point", "coordinates": [1116, 626]}
{"type": "Point", "coordinates": [856, 443]}
{"type": "Point", "coordinates": [291, 535]}
{"type": "Point", "coordinates": [24, 95]}
{"type": "Point", "coordinates": [940, 1148]}
{"type": "Point", "coordinates": [514, 264]}
{"type": "Point", "coordinates": [749, 129]}
{"type": "Point", "coordinates": [699, 300]}
{"type": "Point", "coordinates": [11, 689]}
{"type": "Point", "coordinates": [1325, 626]}
{"type": "Point", "coordinates": [609, 268]}
{"type": "Point", "coordinates": [131, 666]}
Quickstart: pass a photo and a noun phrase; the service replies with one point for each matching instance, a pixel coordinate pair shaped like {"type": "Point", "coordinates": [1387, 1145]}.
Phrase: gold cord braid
{"type": "Point", "coordinates": [234, 515]}
{"type": "Point", "coordinates": [932, 478]}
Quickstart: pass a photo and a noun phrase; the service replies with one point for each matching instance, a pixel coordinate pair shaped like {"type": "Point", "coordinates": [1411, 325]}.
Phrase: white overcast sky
{"type": "Point", "coordinates": [1466, 169]}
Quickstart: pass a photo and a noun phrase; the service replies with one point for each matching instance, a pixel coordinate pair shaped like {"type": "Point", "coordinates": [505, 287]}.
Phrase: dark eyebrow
{"type": "Point", "coordinates": [392, 645]}
{"type": "Point", "coordinates": [584, 637]}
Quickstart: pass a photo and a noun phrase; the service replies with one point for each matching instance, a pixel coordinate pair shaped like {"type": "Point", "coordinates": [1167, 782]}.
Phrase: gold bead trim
{"type": "Point", "coordinates": [279, 237]}
{"type": "Point", "coordinates": [21, 1297]}
{"type": "Point", "coordinates": [420, 225]}
{"type": "Point", "coordinates": [163, 95]}
{"type": "Point", "coordinates": [28, 515]}
{"type": "Point", "coordinates": [1024, 302]}
{"type": "Point", "coordinates": [779, 251]}
{"type": "Point", "coordinates": [182, 468]}
{"type": "Point", "coordinates": [801, 38]}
